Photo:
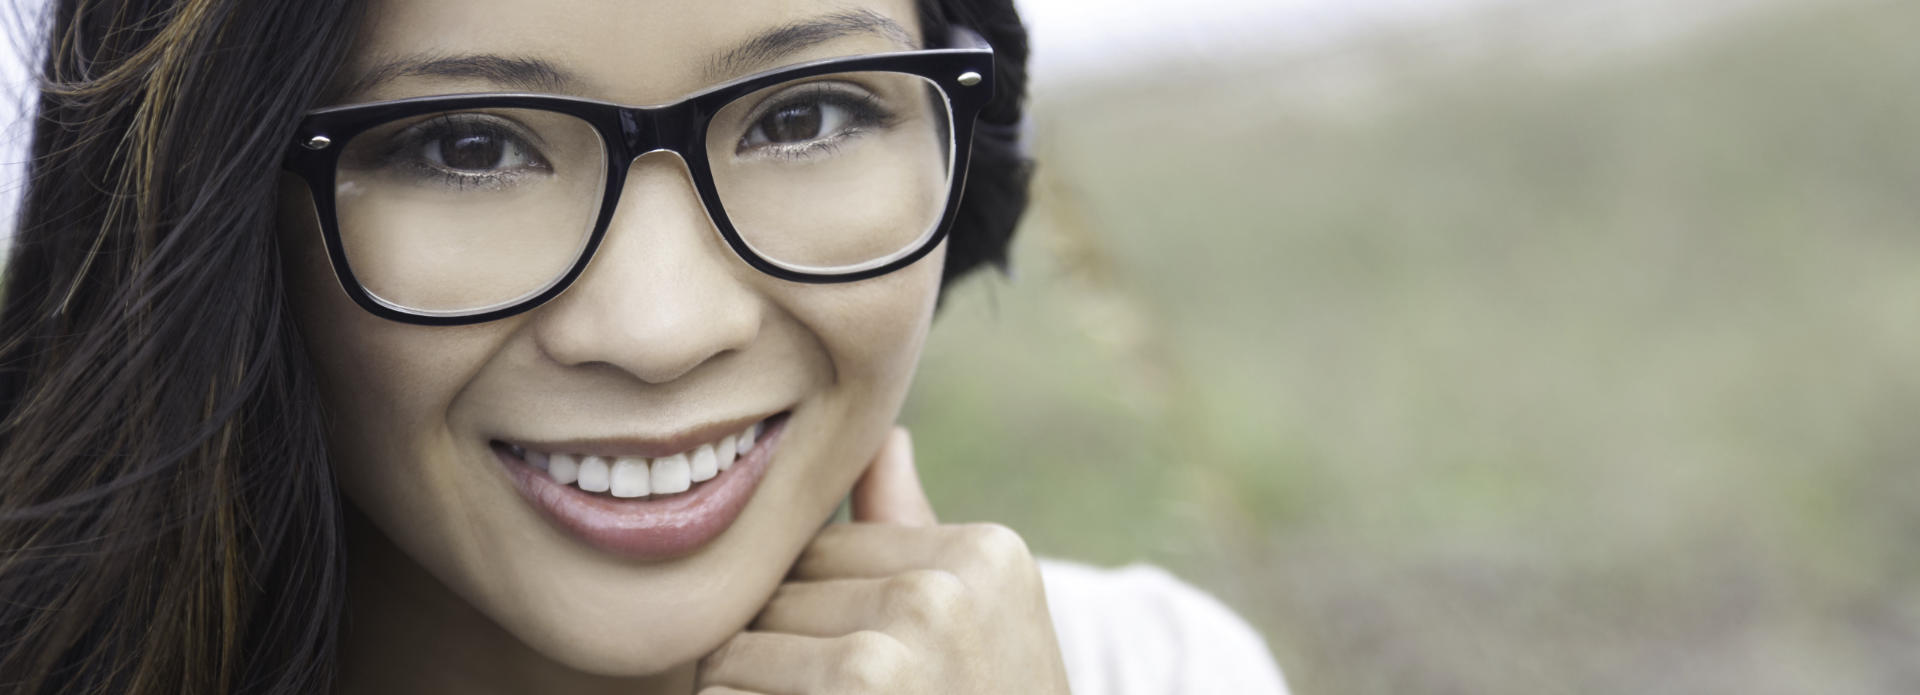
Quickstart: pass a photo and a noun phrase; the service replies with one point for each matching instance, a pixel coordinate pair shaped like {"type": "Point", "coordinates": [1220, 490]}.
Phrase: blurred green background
{"type": "Point", "coordinates": [1477, 359]}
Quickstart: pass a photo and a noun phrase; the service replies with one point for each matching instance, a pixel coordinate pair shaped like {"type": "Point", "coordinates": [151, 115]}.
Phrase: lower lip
{"type": "Point", "coordinates": [649, 528]}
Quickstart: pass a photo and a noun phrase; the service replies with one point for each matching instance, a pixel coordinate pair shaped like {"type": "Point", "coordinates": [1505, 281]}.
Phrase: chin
{"type": "Point", "coordinates": [641, 648]}
{"type": "Point", "coordinates": [647, 624]}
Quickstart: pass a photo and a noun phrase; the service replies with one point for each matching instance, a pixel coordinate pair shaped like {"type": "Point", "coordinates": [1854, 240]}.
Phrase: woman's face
{"type": "Point", "coordinates": [668, 341]}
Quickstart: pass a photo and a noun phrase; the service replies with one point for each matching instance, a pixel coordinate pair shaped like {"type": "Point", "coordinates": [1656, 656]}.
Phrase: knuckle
{"type": "Point", "coordinates": [869, 662]}
{"type": "Point", "coordinates": [926, 597]}
{"type": "Point", "coordinates": [864, 642]}
{"type": "Point", "coordinates": [994, 545]}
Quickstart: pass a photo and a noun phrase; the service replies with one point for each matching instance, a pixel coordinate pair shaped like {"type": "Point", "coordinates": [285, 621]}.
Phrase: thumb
{"type": "Point", "coordinates": [889, 492]}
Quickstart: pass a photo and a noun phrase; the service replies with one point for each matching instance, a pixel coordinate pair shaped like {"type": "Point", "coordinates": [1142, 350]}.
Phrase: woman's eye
{"type": "Point", "coordinates": [469, 152]}
{"type": "Point", "coordinates": [463, 150]}
{"type": "Point", "coordinates": [796, 123]}
{"type": "Point", "coordinates": [478, 152]}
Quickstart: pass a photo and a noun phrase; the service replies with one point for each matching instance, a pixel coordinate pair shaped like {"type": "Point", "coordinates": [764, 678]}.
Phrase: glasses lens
{"type": "Point", "coordinates": [834, 173]}
{"type": "Point", "coordinates": [459, 212]}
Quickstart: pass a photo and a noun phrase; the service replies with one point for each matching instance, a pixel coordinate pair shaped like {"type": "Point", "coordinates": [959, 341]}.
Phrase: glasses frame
{"type": "Point", "coordinates": [964, 75]}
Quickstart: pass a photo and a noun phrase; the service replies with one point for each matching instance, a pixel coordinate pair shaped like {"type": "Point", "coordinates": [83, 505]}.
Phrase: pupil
{"type": "Point", "coordinates": [471, 152]}
{"type": "Point", "coordinates": [798, 122]}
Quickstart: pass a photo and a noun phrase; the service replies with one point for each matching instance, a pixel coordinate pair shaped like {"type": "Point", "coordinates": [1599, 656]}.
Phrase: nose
{"type": "Point", "coordinates": [663, 294]}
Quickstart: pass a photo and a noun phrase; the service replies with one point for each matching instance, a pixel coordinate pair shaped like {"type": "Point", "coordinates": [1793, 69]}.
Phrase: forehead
{"type": "Point", "coordinates": [630, 51]}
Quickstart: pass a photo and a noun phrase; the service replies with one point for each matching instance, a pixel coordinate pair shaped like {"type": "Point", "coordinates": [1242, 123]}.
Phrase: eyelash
{"type": "Point", "coordinates": [402, 153]}
{"type": "Point", "coordinates": [864, 112]}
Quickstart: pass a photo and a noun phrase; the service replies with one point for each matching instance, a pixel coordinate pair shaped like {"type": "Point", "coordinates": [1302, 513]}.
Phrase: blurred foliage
{"type": "Point", "coordinates": [1490, 366]}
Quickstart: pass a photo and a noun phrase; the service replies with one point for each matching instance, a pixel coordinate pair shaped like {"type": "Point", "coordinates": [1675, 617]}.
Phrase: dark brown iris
{"type": "Point", "coordinates": [477, 152]}
{"type": "Point", "coordinates": [792, 123]}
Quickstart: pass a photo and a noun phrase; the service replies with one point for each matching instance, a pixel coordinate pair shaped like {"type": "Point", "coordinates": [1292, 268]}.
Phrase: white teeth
{"type": "Point", "coordinates": [672, 474]}
{"type": "Point", "coordinates": [705, 463]}
{"type": "Point", "coordinates": [594, 476]}
{"type": "Point", "coordinates": [633, 476]}
{"type": "Point", "coordinates": [725, 453]}
{"type": "Point", "coordinates": [564, 468]}
{"type": "Point", "coordinates": [630, 477]}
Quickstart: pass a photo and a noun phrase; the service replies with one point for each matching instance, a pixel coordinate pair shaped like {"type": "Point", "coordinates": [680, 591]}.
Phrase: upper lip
{"type": "Point", "coordinates": [641, 447]}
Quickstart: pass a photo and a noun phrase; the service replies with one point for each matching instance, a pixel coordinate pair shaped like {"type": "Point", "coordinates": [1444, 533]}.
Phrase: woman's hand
{"type": "Point", "coordinates": [897, 603]}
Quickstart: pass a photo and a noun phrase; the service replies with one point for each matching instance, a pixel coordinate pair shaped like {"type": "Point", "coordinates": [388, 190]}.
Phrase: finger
{"type": "Point", "coordinates": [834, 607]}
{"type": "Point", "coordinates": [768, 662]}
{"type": "Point", "coordinates": [827, 608]}
{"type": "Point", "coordinates": [889, 492]}
{"type": "Point", "coordinates": [844, 551]}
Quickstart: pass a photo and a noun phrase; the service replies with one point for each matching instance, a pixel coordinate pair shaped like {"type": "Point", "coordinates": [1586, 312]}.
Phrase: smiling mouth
{"type": "Point", "coordinates": [635, 477]}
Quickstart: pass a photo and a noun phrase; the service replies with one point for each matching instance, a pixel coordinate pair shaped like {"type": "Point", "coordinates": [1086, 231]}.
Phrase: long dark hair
{"type": "Point", "coordinates": [168, 517]}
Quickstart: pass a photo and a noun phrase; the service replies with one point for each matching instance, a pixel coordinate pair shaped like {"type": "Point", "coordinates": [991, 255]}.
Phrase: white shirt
{"type": "Point", "coordinates": [1138, 630]}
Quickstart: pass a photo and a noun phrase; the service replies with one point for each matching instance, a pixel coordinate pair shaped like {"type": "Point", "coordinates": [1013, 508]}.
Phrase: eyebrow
{"type": "Point", "coordinates": [537, 75]}
{"type": "Point", "coordinates": [531, 74]}
{"type": "Point", "coordinates": [782, 41]}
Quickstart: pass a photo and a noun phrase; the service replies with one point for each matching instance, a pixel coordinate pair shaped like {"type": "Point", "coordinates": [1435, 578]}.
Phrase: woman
{"type": "Point", "coordinates": [322, 373]}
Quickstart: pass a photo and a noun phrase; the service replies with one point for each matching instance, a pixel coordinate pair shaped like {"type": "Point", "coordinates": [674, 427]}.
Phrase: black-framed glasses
{"type": "Point", "coordinates": [461, 209]}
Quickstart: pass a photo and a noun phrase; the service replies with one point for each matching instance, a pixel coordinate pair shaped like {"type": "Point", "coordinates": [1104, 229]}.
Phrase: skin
{"type": "Point", "coordinates": [458, 585]}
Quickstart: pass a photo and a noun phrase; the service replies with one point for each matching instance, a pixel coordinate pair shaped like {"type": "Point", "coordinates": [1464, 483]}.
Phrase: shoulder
{"type": "Point", "coordinates": [1138, 630]}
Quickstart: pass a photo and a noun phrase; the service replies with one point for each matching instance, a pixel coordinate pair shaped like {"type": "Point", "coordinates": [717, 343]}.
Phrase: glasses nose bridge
{"type": "Point", "coordinates": [673, 129]}
{"type": "Point", "coordinates": [645, 130]}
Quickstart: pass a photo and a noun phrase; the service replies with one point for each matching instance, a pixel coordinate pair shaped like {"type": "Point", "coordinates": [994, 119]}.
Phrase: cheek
{"type": "Point", "coordinates": [873, 330]}
{"type": "Point", "coordinates": [387, 386]}
{"type": "Point", "coordinates": [871, 333]}
{"type": "Point", "coordinates": [877, 355]}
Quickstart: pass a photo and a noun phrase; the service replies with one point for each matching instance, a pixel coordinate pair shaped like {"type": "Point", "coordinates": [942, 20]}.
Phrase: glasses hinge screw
{"type": "Point", "coordinates": [969, 78]}
{"type": "Point", "coordinates": [317, 142]}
